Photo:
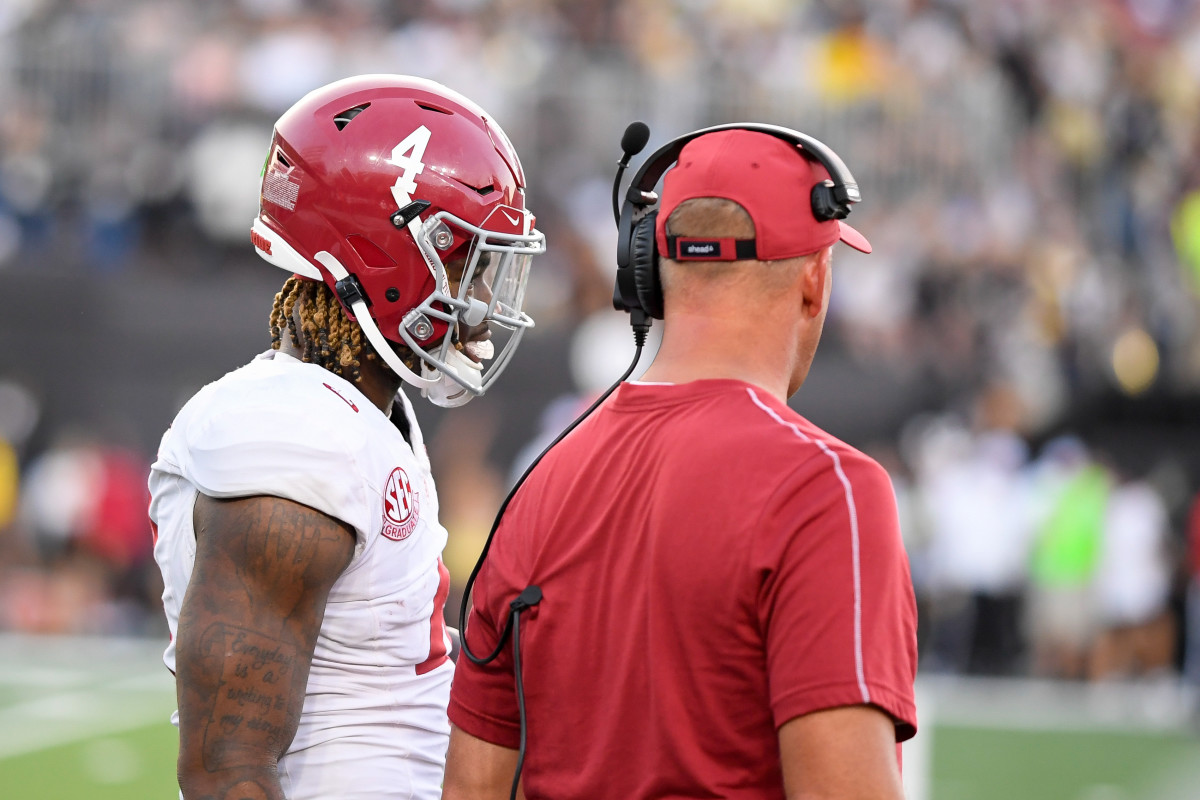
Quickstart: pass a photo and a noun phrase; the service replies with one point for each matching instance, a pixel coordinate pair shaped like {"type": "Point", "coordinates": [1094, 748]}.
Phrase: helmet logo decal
{"type": "Point", "coordinates": [401, 505]}
{"type": "Point", "coordinates": [407, 156]}
{"type": "Point", "coordinates": [260, 241]}
{"type": "Point", "coordinates": [506, 219]}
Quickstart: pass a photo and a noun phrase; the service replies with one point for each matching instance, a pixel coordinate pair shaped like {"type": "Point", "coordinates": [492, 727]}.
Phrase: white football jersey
{"type": "Point", "coordinates": [374, 719]}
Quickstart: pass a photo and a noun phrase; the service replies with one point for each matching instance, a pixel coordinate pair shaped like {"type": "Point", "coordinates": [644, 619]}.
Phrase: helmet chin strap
{"type": "Point", "coordinates": [382, 347]}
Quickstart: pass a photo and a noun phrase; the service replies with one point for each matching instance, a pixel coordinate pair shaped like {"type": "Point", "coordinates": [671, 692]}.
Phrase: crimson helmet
{"type": "Point", "coordinates": [373, 185]}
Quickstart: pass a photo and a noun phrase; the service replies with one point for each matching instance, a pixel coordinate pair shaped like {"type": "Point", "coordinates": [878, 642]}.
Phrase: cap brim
{"type": "Point", "coordinates": [854, 238]}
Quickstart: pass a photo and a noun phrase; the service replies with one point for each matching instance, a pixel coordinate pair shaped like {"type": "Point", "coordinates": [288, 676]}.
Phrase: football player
{"type": "Point", "coordinates": [295, 516]}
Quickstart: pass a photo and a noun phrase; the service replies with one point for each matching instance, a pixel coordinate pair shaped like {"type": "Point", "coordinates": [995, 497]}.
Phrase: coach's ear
{"type": "Point", "coordinates": [816, 281]}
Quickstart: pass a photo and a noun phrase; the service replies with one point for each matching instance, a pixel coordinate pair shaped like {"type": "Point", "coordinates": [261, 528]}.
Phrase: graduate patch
{"type": "Point", "coordinates": [401, 505]}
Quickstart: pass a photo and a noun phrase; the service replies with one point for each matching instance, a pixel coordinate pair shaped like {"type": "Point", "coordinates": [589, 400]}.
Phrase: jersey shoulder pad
{"type": "Point", "coordinates": [275, 434]}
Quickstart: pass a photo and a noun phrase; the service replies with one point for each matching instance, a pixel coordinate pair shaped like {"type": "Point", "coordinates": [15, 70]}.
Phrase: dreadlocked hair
{"type": "Point", "coordinates": [319, 327]}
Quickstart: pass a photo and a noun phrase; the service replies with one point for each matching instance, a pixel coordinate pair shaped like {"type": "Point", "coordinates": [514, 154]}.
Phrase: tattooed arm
{"type": "Point", "coordinates": [247, 629]}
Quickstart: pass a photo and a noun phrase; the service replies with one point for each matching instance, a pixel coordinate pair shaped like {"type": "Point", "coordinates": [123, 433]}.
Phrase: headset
{"type": "Point", "coordinates": [639, 292]}
{"type": "Point", "coordinates": [638, 289]}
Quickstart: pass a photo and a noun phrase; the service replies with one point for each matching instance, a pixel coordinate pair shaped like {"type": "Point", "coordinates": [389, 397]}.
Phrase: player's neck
{"type": "Point", "coordinates": [376, 382]}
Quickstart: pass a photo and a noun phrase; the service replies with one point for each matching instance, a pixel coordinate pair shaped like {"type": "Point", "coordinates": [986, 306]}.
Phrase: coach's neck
{"type": "Point", "coordinates": [750, 321]}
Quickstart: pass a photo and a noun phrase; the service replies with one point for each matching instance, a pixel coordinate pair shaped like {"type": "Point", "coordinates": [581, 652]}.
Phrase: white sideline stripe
{"type": "Point", "coordinates": [105, 708]}
{"type": "Point", "coordinates": [55, 678]}
{"type": "Point", "coordinates": [1151, 706]}
{"type": "Point", "coordinates": [58, 690]}
{"type": "Point", "coordinates": [24, 675]}
{"type": "Point", "coordinates": [837, 466]}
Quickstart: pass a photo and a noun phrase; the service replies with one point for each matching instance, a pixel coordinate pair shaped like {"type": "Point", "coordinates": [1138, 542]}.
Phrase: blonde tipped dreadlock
{"type": "Point", "coordinates": [318, 326]}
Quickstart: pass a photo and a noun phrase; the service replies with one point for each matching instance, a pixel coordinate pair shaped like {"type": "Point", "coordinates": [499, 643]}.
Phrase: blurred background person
{"type": "Point", "coordinates": [1063, 615]}
{"type": "Point", "coordinates": [1133, 579]}
{"type": "Point", "coordinates": [975, 497]}
{"type": "Point", "coordinates": [1191, 643]}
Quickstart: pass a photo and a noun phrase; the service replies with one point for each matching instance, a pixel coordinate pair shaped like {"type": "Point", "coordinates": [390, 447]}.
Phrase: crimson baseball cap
{"type": "Point", "coordinates": [765, 175]}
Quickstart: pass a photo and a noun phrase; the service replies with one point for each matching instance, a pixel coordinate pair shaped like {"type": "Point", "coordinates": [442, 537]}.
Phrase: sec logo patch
{"type": "Point", "coordinates": [401, 506]}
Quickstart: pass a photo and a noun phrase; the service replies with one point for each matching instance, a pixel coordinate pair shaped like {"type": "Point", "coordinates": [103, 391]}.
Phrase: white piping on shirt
{"type": "Point", "coordinates": [837, 466]}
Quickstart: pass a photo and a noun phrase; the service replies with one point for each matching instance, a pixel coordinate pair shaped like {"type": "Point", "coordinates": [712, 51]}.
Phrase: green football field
{"type": "Point", "coordinates": [90, 719]}
{"type": "Point", "coordinates": [85, 718]}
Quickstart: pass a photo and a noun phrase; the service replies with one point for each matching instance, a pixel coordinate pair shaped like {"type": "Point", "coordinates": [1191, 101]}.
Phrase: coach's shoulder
{"type": "Point", "coordinates": [838, 462]}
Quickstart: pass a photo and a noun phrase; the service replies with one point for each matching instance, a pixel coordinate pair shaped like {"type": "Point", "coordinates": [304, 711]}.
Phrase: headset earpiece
{"type": "Point", "coordinates": [825, 206]}
{"type": "Point", "coordinates": [643, 253]}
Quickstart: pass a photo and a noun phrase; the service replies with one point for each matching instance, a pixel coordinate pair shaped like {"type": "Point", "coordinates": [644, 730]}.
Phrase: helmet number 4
{"type": "Point", "coordinates": [407, 156]}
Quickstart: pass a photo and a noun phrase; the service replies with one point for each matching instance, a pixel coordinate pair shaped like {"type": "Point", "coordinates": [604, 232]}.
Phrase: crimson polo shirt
{"type": "Point", "coordinates": [712, 566]}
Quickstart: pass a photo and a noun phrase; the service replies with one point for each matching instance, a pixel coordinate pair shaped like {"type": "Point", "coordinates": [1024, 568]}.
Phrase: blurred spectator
{"type": "Point", "coordinates": [83, 506]}
{"type": "Point", "coordinates": [974, 496]}
{"type": "Point", "coordinates": [19, 416]}
{"type": "Point", "coordinates": [1063, 615]}
{"type": "Point", "coordinates": [916, 535]}
{"type": "Point", "coordinates": [1191, 646]}
{"type": "Point", "coordinates": [58, 496]}
{"type": "Point", "coordinates": [116, 530]}
{"type": "Point", "coordinates": [9, 484]}
{"type": "Point", "coordinates": [1137, 634]}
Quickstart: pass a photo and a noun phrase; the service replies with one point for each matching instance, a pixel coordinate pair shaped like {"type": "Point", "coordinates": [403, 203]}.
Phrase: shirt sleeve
{"type": "Point", "coordinates": [835, 602]}
{"type": "Point", "coordinates": [243, 449]}
{"type": "Point", "coordinates": [483, 699]}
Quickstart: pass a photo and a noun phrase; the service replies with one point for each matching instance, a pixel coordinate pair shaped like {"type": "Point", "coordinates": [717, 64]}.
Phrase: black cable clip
{"type": "Point", "coordinates": [527, 599]}
{"type": "Point", "coordinates": [530, 597]}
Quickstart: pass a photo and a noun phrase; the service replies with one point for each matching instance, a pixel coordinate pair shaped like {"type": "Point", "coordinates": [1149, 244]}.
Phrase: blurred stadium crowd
{"type": "Point", "coordinates": [1032, 177]}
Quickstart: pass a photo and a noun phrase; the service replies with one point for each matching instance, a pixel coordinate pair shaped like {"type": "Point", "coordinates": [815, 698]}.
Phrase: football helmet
{"type": "Point", "coordinates": [408, 201]}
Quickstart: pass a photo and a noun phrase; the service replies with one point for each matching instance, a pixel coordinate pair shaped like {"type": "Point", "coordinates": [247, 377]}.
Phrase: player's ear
{"type": "Point", "coordinates": [815, 278]}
